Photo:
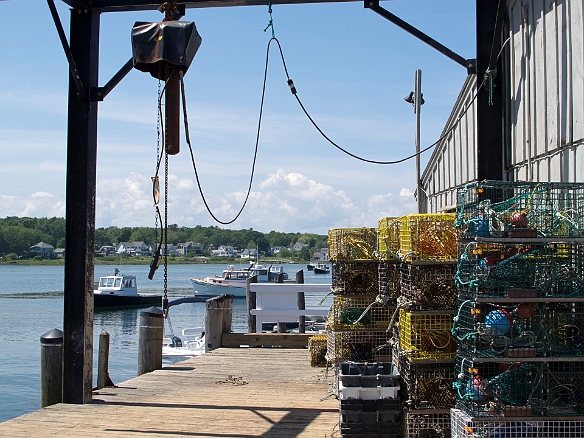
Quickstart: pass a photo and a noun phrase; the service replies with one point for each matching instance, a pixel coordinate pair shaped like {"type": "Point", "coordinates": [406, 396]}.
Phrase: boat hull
{"type": "Point", "coordinates": [321, 270]}
{"type": "Point", "coordinates": [112, 300]}
{"type": "Point", "coordinates": [203, 288]}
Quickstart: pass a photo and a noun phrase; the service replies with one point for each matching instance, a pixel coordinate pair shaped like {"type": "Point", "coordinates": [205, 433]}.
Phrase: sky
{"type": "Point", "coordinates": [351, 67]}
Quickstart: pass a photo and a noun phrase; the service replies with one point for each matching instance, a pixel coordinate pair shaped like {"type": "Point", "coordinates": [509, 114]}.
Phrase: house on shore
{"type": "Point", "coordinates": [43, 249]}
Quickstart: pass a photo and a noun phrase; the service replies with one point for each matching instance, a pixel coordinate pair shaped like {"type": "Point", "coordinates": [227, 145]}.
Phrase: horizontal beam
{"type": "Point", "coordinates": [140, 5]}
{"type": "Point", "coordinates": [236, 340]}
{"type": "Point", "coordinates": [288, 287]}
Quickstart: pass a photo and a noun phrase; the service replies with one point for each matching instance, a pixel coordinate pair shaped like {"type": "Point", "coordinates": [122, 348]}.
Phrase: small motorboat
{"type": "Point", "coordinates": [120, 290]}
{"type": "Point", "coordinates": [321, 268]}
{"type": "Point", "coordinates": [193, 345]}
{"type": "Point", "coordinates": [310, 266]}
{"type": "Point", "coordinates": [233, 281]}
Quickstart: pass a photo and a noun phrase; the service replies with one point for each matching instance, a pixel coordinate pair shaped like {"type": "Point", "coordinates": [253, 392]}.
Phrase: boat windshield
{"type": "Point", "coordinates": [236, 275]}
{"type": "Point", "coordinates": [129, 282]}
{"type": "Point", "coordinates": [106, 282]}
{"type": "Point", "coordinates": [118, 282]}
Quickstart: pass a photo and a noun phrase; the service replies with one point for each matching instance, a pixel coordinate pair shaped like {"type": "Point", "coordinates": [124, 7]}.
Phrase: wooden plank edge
{"type": "Point", "coordinates": [236, 340]}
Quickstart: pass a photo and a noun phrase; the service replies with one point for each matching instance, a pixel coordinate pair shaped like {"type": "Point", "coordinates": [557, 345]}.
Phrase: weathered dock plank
{"type": "Point", "coordinates": [237, 392]}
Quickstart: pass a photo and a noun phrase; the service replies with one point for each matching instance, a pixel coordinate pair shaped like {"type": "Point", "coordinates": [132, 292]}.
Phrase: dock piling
{"type": "Point", "coordinates": [301, 302]}
{"type": "Point", "coordinates": [51, 368]}
{"type": "Point", "coordinates": [251, 305]}
{"type": "Point", "coordinates": [103, 378]}
{"type": "Point", "coordinates": [150, 340]}
{"type": "Point", "coordinates": [218, 315]}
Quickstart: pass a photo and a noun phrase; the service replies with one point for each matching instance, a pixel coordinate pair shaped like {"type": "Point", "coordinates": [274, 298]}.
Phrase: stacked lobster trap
{"type": "Point", "coordinates": [424, 346]}
{"type": "Point", "coordinates": [365, 285]}
{"type": "Point", "coordinates": [519, 319]}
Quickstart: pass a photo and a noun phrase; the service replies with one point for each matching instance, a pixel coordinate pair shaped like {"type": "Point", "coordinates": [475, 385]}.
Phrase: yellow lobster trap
{"type": "Point", "coordinates": [428, 237]}
{"type": "Point", "coordinates": [347, 244]}
{"type": "Point", "coordinates": [426, 335]}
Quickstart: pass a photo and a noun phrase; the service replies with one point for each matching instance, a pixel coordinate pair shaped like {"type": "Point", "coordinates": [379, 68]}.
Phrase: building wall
{"type": "Point", "coordinates": [543, 68]}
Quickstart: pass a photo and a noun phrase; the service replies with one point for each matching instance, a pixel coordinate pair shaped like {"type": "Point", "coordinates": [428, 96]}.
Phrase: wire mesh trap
{"type": "Point", "coordinates": [428, 286]}
{"type": "Point", "coordinates": [426, 335]}
{"type": "Point", "coordinates": [351, 278]}
{"type": "Point", "coordinates": [428, 237]}
{"type": "Point", "coordinates": [520, 209]}
{"type": "Point", "coordinates": [428, 385]}
{"type": "Point", "coordinates": [347, 244]}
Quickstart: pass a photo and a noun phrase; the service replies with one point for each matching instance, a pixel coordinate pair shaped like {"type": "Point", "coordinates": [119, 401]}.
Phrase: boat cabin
{"type": "Point", "coordinates": [117, 284]}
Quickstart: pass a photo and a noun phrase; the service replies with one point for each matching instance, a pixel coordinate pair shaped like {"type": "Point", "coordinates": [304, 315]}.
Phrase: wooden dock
{"type": "Point", "coordinates": [229, 392]}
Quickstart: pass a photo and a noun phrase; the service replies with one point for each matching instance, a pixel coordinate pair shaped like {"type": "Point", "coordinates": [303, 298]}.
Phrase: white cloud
{"type": "Point", "coordinates": [282, 201]}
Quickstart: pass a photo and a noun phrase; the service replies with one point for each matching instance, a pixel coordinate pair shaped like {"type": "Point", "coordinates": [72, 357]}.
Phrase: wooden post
{"type": "Point", "coordinates": [281, 325]}
{"type": "Point", "coordinates": [51, 368]}
{"type": "Point", "coordinates": [150, 340]}
{"type": "Point", "coordinates": [103, 378]}
{"type": "Point", "coordinates": [172, 112]}
{"type": "Point", "coordinates": [251, 304]}
{"type": "Point", "coordinates": [80, 208]}
{"type": "Point", "coordinates": [227, 315]}
{"type": "Point", "coordinates": [301, 302]}
{"type": "Point", "coordinates": [217, 320]}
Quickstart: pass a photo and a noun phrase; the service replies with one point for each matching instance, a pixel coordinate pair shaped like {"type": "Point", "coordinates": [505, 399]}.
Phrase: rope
{"type": "Point", "coordinates": [271, 22]}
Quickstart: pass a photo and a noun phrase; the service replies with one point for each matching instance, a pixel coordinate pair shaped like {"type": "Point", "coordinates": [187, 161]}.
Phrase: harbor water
{"type": "Point", "coordinates": [31, 304]}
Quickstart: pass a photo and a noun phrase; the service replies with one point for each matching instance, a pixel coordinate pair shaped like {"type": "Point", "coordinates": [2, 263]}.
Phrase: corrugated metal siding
{"type": "Point", "coordinates": [453, 160]}
{"type": "Point", "coordinates": [543, 62]}
{"type": "Point", "coordinates": [545, 99]}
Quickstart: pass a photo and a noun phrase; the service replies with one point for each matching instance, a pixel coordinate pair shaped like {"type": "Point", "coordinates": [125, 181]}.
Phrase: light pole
{"type": "Point", "coordinates": [417, 100]}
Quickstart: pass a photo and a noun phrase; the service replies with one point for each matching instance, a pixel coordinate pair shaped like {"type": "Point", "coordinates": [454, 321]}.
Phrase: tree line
{"type": "Point", "coordinates": [18, 234]}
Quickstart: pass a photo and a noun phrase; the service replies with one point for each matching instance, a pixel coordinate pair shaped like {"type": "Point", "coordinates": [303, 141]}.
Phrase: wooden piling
{"type": "Point", "coordinates": [150, 340]}
{"type": "Point", "coordinates": [103, 378]}
{"type": "Point", "coordinates": [217, 320]}
{"type": "Point", "coordinates": [281, 325]}
{"type": "Point", "coordinates": [301, 302]}
{"type": "Point", "coordinates": [51, 368]}
{"type": "Point", "coordinates": [251, 304]}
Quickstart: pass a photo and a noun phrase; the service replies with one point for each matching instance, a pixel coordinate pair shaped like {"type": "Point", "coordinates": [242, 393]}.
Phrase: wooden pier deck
{"type": "Point", "coordinates": [229, 392]}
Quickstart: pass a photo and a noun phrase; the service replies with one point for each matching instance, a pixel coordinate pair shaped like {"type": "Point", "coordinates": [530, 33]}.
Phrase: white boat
{"type": "Point", "coordinates": [120, 290]}
{"type": "Point", "coordinates": [192, 345]}
{"type": "Point", "coordinates": [233, 281]}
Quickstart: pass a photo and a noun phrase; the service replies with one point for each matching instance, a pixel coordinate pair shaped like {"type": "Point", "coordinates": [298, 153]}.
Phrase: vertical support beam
{"type": "Point", "coordinates": [80, 211]}
{"type": "Point", "coordinates": [417, 111]}
{"type": "Point", "coordinates": [489, 116]}
{"type": "Point", "coordinates": [301, 302]}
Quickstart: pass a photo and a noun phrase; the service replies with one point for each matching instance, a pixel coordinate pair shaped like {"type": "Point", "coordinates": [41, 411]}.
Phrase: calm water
{"type": "Point", "coordinates": [31, 304]}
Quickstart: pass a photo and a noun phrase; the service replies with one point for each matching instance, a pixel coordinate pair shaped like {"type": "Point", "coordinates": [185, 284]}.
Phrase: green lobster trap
{"type": "Point", "coordinates": [507, 270]}
{"type": "Point", "coordinates": [520, 329]}
{"type": "Point", "coordinates": [358, 346]}
{"type": "Point", "coordinates": [428, 385]}
{"type": "Point", "coordinates": [428, 237]}
{"type": "Point", "coordinates": [388, 238]}
{"type": "Point", "coordinates": [520, 210]}
{"type": "Point", "coordinates": [426, 335]}
{"type": "Point", "coordinates": [428, 286]}
{"type": "Point", "coordinates": [349, 312]}
{"type": "Point", "coordinates": [353, 278]}
{"type": "Point", "coordinates": [348, 244]}
{"type": "Point", "coordinates": [519, 389]}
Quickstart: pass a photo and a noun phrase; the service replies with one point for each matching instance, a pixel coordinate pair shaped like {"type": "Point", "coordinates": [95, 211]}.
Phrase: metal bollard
{"type": "Point", "coordinates": [51, 368]}
{"type": "Point", "coordinates": [150, 340]}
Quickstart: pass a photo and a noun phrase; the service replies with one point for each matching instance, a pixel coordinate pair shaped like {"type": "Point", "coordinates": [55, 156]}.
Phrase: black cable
{"type": "Point", "coordinates": [185, 117]}
{"type": "Point", "coordinates": [294, 92]}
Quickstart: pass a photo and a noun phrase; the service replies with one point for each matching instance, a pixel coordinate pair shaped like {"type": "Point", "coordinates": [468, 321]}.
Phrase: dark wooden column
{"type": "Point", "coordinates": [80, 210]}
{"type": "Point", "coordinates": [489, 122]}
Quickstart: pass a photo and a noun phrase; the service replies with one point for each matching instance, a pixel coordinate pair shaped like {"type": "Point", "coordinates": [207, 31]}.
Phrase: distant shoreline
{"type": "Point", "coordinates": [138, 261]}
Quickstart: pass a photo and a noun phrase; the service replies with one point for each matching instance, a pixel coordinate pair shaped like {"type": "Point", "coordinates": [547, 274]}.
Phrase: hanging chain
{"type": "Point", "coordinates": [158, 122]}
{"type": "Point", "coordinates": [165, 298]}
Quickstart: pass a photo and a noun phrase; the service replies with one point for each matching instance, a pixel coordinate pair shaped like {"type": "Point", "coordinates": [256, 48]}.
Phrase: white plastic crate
{"type": "Point", "coordinates": [364, 393]}
{"type": "Point", "coordinates": [465, 426]}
